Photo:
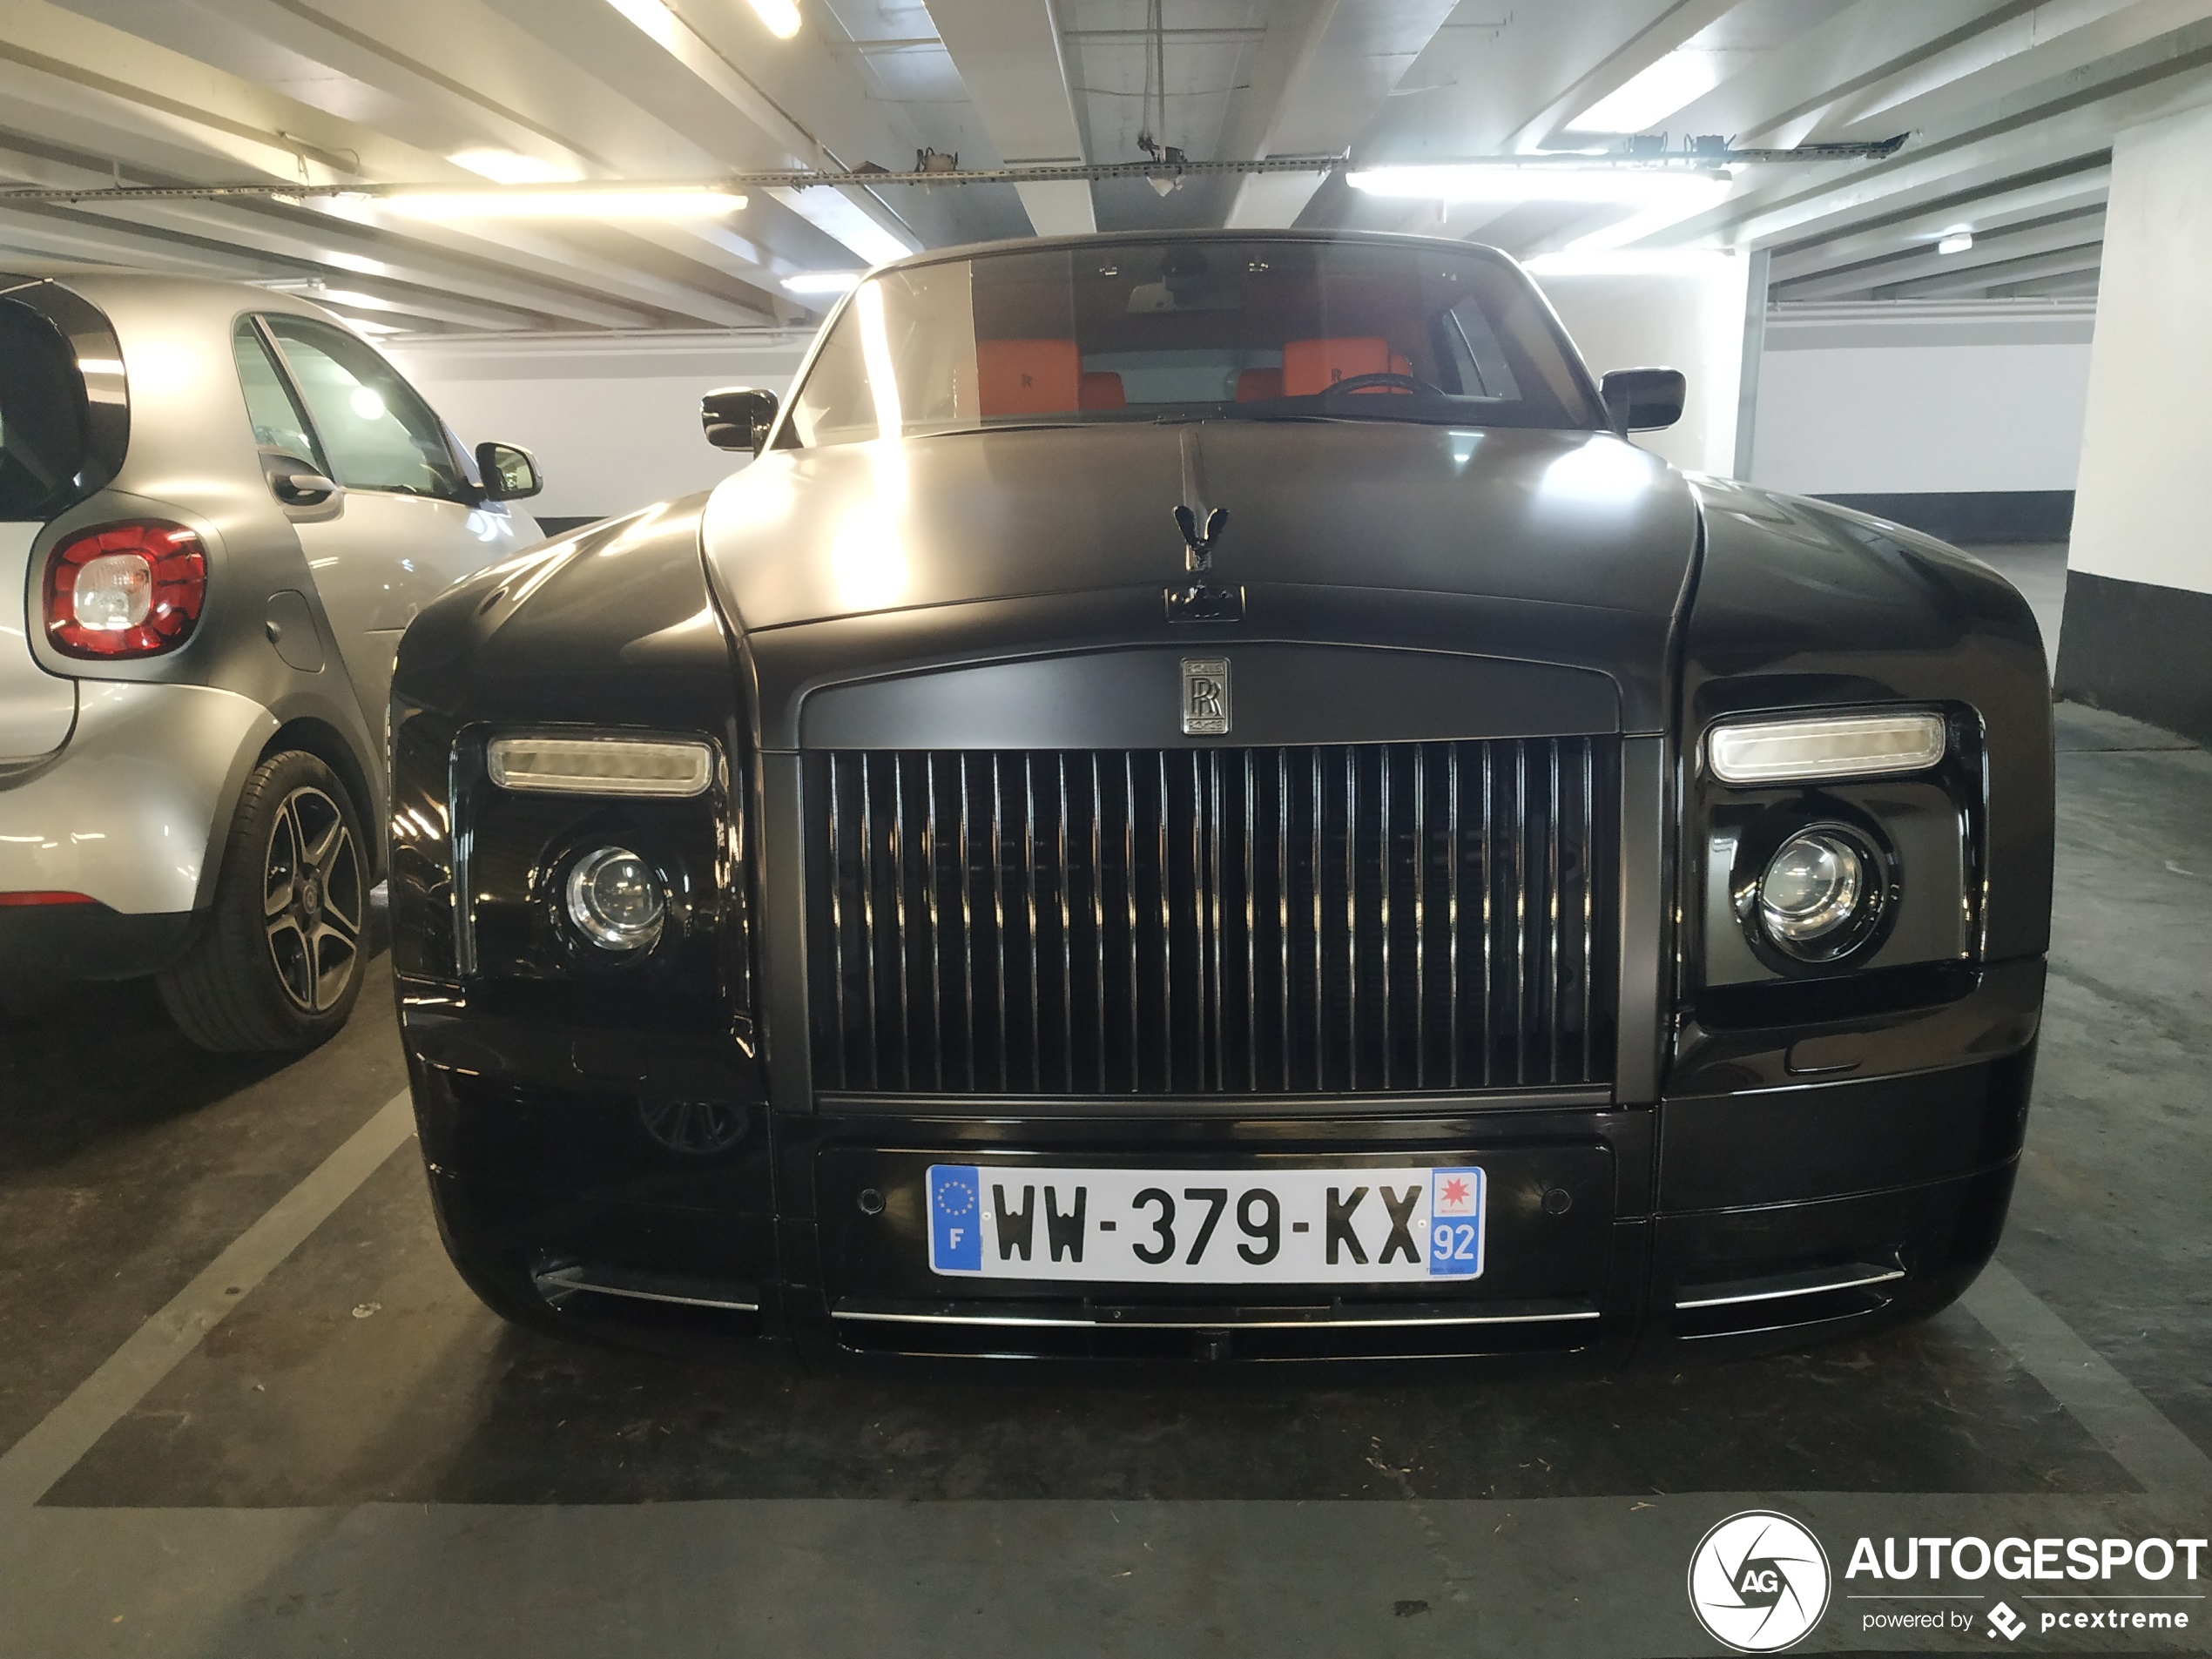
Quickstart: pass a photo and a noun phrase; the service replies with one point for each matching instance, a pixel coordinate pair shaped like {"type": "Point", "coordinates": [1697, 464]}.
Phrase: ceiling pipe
{"type": "Point", "coordinates": [870, 176]}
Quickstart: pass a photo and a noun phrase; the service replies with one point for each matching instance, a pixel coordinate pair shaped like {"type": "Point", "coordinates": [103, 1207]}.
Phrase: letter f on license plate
{"type": "Point", "coordinates": [1341, 1225]}
{"type": "Point", "coordinates": [955, 1223]}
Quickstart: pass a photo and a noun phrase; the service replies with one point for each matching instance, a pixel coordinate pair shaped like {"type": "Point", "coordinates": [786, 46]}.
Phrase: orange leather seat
{"type": "Point", "coordinates": [1028, 376]}
{"type": "Point", "coordinates": [1256, 384]}
{"type": "Point", "coordinates": [1101, 389]}
{"type": "Point", "coordinates": [1311, 365]}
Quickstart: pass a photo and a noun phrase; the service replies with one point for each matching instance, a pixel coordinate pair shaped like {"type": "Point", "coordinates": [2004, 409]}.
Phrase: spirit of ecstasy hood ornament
{"type": "Point", "coordinates": [1201, 554]}
{"type": "Point", "coordinates": [1201, 601]}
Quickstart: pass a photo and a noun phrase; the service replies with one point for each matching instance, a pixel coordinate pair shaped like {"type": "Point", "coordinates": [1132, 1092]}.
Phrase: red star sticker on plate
{"type": "Point", "coordinates": [1455, 1191]}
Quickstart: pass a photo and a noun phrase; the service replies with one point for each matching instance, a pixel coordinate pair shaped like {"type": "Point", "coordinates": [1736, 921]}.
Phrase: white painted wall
{"type": "Point", "coordinates": [1692, 320]}
{"type": "Point", "coordinates": [2141, 514]}
{"type": "Point", "coordinates": [1895, 399]}
{"type": "Point", "coordinates": [613, 419]}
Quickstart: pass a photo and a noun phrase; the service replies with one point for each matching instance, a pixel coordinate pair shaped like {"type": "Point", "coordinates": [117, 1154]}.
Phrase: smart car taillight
{"type": "Point", "coordinates": [125, 590]}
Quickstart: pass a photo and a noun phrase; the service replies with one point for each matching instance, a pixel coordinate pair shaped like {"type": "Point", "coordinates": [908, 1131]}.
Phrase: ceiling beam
{"type": "Point", "coordinates": [2077, 188]}
{"type": "Point", "coordinates": [2087, 256]}
{"type": "Point", "coordinates": [155, 107]}
{"type": "Point", "coordinates": [1343, 57]}
{"type": "Point", "coordinates": [2059, 37]}
{"type": "Point", "coordinates": [1782, 96]}
{"type": "Point", "coordinates": [1009, 58]}
{"type": "Point", "coordinates": [713, 73]}
{"type": "Point", "coordinates": [1617, 68]}
{"type": "Point", "coordinates": [2066, 284]}
{"type": "Point", "coordinates": [426, 114]}
{"type": "Point", "coordinates": [57, 239]}
{"type": "Point", "coordinates": [2069, 121]}
{"type": "Point", "coordinates": [2063, 230]}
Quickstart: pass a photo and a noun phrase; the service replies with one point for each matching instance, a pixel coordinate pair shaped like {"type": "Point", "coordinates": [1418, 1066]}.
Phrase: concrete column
{"type": "Point", "coordinates": [1753, 365]}
{"type": "Point", "coordinates": [2138, 631]}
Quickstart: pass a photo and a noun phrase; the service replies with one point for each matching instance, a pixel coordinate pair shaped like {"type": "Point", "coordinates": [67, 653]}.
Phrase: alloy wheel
{"type": "Point", "coordinates": [311, 899]}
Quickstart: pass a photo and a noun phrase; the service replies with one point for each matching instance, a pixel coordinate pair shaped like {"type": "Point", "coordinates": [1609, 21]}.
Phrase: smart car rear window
{"type": "Point", "coordinates": [43, 420]}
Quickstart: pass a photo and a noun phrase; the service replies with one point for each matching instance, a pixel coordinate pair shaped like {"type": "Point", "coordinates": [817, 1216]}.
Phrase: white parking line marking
{"type": "Point", "coordinates": [73, 1428]}
{"type": "Point", "coordinates": [2105, 1403]}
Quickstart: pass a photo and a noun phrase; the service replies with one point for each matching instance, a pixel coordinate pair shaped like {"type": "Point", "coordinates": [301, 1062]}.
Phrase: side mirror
{"type": "Point", "coordinates": [296, 482]}
{"type": "Point", "coordinates": [738, 417]}
{"type": "Point", "coordinates": [510, 471]}
{"type": "Point", "coordinates": [1643, 400]}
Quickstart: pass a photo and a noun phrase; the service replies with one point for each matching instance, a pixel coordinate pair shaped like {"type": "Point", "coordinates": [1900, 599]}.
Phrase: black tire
{"type": "Point", "coordinates": [277, 963]}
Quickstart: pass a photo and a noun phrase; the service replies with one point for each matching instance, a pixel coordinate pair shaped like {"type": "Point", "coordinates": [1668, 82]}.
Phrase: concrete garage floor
{"type": "Point", "coordinates": [359, 1459]}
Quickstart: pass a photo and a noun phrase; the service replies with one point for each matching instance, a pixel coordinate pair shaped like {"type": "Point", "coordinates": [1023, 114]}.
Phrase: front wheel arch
{"type": "Point", "coordinates": [328, 745]}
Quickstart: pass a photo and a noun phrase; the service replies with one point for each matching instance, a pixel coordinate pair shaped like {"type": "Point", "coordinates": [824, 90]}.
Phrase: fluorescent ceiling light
{"type": "Point", "coordinates": [1955, 242]}
{"type": "Point", "coordinates": [821, 282]}
{"type": "Point", "coordinates": [563, 204]}
{"type": "Point", "coordinates": [505, 167]}
{"type": "Point", "coordinates": [1653, 261]}
{"type": "Point", "coordinates": [780, 16]}
{"type": "Point", "coordinates": [1627, 187]}
{"type": "Point", "coordinates": [831, 210]}
{"type": "Point", "coordinates": [1681, 77]}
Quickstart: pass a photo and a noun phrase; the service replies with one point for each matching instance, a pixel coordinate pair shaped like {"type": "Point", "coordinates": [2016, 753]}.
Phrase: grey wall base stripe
{"type": "Point", "coordinates": [1972, 518]}
{"type": "Point", "coordinates": [2139, 649]}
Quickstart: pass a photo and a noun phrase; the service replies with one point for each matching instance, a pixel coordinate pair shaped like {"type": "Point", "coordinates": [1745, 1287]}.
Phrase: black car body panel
{"type": "Point", "coordinates": [681, 1151]}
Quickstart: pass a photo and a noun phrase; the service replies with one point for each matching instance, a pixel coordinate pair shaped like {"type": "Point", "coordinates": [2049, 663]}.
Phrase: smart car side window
{"type": "Point", "coordinates": [42, 414]}
{"type": "Point", "coordinates": [376, 432]}
{"type": "Point", "coordinates": [279, 424]}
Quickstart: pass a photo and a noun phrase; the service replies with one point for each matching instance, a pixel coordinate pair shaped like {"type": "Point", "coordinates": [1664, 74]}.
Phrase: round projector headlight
{"type": "Point", "coordinates": [1818, 884]}
{"type": "Point", "coordinates": [615, 900]}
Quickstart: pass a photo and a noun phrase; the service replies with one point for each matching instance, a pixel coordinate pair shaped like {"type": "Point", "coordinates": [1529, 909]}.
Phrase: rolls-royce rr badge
{"type": "Point", "coordinates": [1205, 696]}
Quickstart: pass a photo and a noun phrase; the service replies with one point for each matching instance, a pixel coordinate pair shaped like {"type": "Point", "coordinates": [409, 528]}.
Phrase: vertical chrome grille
{"type": "Point", "coordinates": [1373, 918]}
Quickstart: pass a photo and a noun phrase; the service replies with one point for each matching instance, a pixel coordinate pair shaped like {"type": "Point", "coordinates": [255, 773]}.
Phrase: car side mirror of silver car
{"type": "Point", "coordinates": [738, 417]}
{"type": "Point", "coordinates": [510, 471]}
{"type": "Point", "coordinates": [296, 482]}
{"type": "Point", "coordinates": [1643, 400]}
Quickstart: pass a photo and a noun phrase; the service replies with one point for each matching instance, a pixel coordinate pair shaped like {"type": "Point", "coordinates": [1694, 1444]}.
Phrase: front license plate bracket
{"type": "Point", "coordinates": [1544, 1229]}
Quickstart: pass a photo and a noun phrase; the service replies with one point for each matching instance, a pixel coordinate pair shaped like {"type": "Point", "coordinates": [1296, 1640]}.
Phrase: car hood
{"type": "Point", "coordinates": [1558, 518]}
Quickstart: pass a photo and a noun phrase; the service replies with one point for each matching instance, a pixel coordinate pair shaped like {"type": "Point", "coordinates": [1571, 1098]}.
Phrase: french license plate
{"type": "Point", "coordinates": [1206, 1226]}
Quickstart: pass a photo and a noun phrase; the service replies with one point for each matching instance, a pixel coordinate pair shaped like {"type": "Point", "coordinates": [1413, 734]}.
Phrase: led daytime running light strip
{"type": "Point", "coordinates": [1862, 746]}
{"type": "Point", "coordinates": [663, 766]}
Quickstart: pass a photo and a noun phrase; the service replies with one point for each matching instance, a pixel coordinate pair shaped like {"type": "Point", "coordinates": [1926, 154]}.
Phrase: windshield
{"type": "Point", "coordinates": [1257, 329]}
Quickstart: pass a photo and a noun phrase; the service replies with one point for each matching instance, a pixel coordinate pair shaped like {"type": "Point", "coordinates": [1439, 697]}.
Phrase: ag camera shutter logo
{"type": "Point", "coordinates": [1758, 1582]}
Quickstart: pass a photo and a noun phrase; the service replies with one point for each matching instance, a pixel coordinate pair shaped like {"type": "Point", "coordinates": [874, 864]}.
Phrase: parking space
{"type": "Point", "coordinates": [358, 1452]}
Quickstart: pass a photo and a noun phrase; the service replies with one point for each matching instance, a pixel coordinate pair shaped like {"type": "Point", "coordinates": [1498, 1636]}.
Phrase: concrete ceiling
{"type": "Point", "coordinates": [2011, 107]}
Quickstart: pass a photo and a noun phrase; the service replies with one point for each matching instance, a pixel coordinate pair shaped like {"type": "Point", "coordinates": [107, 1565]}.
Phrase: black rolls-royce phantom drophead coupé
{"type": "Point", "coordinates": [1200, 798]}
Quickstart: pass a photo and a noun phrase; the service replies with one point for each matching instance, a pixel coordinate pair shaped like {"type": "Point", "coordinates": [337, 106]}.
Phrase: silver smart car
{"type": "Point", "coordinates": [218, 508]}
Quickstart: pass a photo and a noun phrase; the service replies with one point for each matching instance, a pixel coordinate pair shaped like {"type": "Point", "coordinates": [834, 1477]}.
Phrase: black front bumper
{"type": "Point", "coordinates": [676, 1210]}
